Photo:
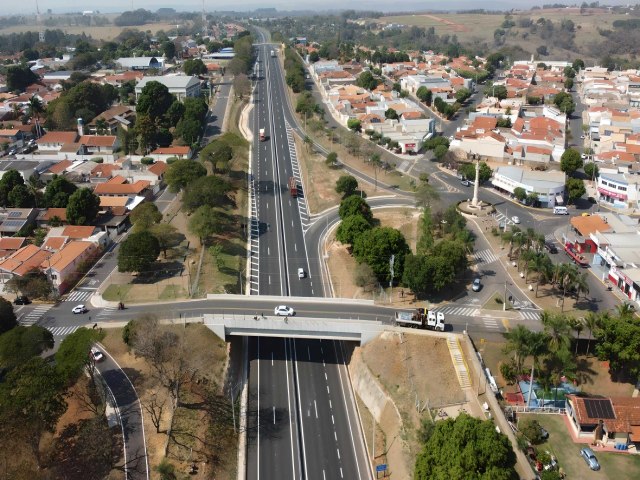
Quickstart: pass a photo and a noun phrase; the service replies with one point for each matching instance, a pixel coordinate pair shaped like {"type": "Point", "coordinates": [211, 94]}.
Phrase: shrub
{"type": "Point", "coordinates": [170, 160]}
{"type": "Point", "coordinates": [147, 161]}
{"type": "Point", "coordinates": [97, 159]}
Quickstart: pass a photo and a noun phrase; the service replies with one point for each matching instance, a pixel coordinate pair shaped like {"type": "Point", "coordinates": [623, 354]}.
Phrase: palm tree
{"type": "Point", "coordinates": [518, 341]}
{"type": "Point", "coordinates": [376, 163]}
{"type": "Point", "coordinates": [557, 329]}
{"type": "Point", "coordinates": [577, 325]}
{"type": "Point", "coordinates": [581, 285]}
{"type": "Point", "coordinates": [541, 264]}
{"type": "Point", "coordinates": [525, 261]}
{"type": "Point", "coordinates": [537, 347]}
{"type": "Point", "coordinates": [16, 108]}
{"type": "Point", "coordinates": [591, 321]}
{"type": "Point", "coordinates": [512, 237]}
{"type": "Point", "coordinates": [101, 126]}
{"type": "Point", "coordinates": [34, 184]}
{"type": "Point", "coordinates": [35, 109]}
{"type": "Point", "coordinates": [564, 276]}
{"type": "Point", "coordinates": [625, 310]}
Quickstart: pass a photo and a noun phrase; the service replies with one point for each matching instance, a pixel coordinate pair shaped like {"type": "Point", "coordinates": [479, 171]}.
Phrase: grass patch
{"type": "Point", "coordinates": [560, 443]}
{"type": "Point", "coordinates": [116, 293]}
{"type": "Point", "coordinates": [172, 292]}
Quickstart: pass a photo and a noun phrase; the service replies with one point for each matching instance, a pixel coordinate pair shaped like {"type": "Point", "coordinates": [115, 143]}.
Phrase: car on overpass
{"type": "Point", "coordinates": [283, 311]}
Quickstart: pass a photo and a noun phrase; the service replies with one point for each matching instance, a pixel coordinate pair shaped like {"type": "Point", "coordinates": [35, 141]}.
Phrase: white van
{"type": "Point", "coordinates": [560, 211]}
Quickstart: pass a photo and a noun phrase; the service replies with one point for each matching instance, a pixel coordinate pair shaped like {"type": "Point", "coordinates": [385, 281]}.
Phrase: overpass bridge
{"type": "Point", "coordinates": [349, 329]}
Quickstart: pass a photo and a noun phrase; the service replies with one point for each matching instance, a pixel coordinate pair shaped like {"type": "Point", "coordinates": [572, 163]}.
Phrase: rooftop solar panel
{"type": "Point", "coordinates": [599, 408]}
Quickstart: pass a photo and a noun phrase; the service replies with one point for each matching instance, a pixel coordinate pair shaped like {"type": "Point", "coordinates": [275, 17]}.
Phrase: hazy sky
{"type": "Point", "coordinates": [63, 6]}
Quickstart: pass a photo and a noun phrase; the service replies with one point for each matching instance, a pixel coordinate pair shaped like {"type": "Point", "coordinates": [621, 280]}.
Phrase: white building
{"type": "Point", "coordinates": [141, 63]}
{"type": "Point", "coordinates": [618, 189]}
{"type": "Point", "coordinates": [549, 185]}
{"type": "Point", "coordinates": [179, 85]}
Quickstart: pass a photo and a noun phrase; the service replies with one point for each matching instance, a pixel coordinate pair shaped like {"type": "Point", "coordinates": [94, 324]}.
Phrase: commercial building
{"type": "Point", "coordinates": [619, 190]}
{"type": "Point", "coordinates": [548, 185]}
{"type": "Point", "coordinates": [179, 85]}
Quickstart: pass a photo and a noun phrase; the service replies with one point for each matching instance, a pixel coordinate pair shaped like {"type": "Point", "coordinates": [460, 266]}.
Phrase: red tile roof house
{"type": "Point", "coordinates": [22, 261]}
{"type": "Point", "coordinates": [117, 186]}
{"type": "Point", "coordinates": [164, 153]}
{"type": "Point", "coordinates": [52, 142]}
{"type": "Point", "coordinates": [99, 144]}
{"type": "Point", "coordinates": [9, 245]}
{"type": "Point", "coordinates": [65, 266]}
{"type": "Point", "coordinates": [605, 421]}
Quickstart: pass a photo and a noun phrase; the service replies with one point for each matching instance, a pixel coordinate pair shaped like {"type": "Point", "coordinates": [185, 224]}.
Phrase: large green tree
{"type": "Point", "coordinates": [138, 252]}
{"type": "Point", "coordinates": [83, 207]}
{"type": "Point", "coordinates": [575, 189]}
{"type": "Point", "coordinates": [73, 356]}
{"type": "Point", "coordinates": [376, 247]}
{"type": "Point", "coordinates": [346, 185]}
{"type": "Point", "coordinates": [367, 80]}
{"type": "Point", "coordinates": [22, 343]}
{"type": "Point", "coordinates": [154, 100]}
{"type": "Point", "coordinates": [8, 182]}
{"type": "Point", "coordinates": [20, 77]}
{"type": "Point", "coordinates": [182, 173]}
{"type": "Point", "coordinates": [425, 274]}
{"type": "Point", "coordinates": [58, 191]}
{"type": "Point", "coordinates": [466, 448]}
{"type": "Point", "coordinates": [570, 161]}
{"type": "Point", "coordinates": [209, 190]}
{"type": "Point", "coordinates": [207, 221]}
{"type": "Point", "coordinates": [145, 215]}
{"type": "Point", "coordinates": [7, 316]}
{"type": "Point", "coordinates": [355, 205]}
{"type": "Point", "coordinates": [194, 67]}
{"type": "Point", "coordinates": [32, 399]}
{"type": "Point", "coordinates": [618, 341]}
{"type": "Point", "coordinates": [351, 228]}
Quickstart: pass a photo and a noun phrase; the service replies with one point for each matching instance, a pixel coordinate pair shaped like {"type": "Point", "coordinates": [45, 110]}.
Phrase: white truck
{"type": "Point", "coordinates": [421, 318]}
{"type": "Point", "coordinates": [262, 135]}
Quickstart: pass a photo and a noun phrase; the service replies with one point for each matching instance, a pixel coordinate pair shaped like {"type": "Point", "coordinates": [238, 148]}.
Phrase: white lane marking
{"type": "Point", "coordinates": [272, 359]}
{"type": "Point", "coordinates": [304, 448]}
{"type": "Point", "coordinates": [274, 415]}
{"type": "Point", "coordinates": [258, 436]}
{"type": "Point", "coordinates": [315, 406]}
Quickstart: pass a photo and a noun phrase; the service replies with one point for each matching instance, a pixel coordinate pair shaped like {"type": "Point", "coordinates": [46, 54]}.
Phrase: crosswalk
{"type": "Point", "coordinates": [62, 331]}
{"type": "Point", "coordinates": [501, 217]}
{"type": "Point", "coordinates": [461, 311]}
{"type": "Point", "coordinates": [79, 295]}
{"type": "Point", "coordinates": [485, 256]}
{"type": "Point", "coordinates": [104, 313]}
{"type": "Point", "coordinates": [530, 314]}
{"type": "Point", "coordinates": [34, 315]}
{"type": "Point", "coordinates": [491, 323]}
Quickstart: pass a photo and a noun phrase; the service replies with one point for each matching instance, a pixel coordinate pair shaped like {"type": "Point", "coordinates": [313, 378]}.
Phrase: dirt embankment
{"type": "Point", "coordinates": [400, 379]}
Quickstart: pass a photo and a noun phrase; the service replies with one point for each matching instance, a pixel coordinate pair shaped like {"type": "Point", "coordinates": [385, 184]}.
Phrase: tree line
{"type": "Point", "coordinates": [383, 254]}
{"type": "Point", "coordinates": [34, 388]}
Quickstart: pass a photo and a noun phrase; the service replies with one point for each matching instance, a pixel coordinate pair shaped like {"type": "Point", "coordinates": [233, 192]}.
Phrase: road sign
{"type": "Point", "coordinates": [381, 468]}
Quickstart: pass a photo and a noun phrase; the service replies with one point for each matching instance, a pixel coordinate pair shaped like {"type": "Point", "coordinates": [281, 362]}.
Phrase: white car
{"type": "Point", "coordinates": [96, 355]}
{"type": "Point", "coordinates": [79, 309]}
{"type": "Point", "coordinates": [284, 311]}
{"type": "Point", "coordinates": [515, 219]}
{"type": "Point", "coordinates": [476, 285]}
{"type": "Point", "coordinates": [301, 273]}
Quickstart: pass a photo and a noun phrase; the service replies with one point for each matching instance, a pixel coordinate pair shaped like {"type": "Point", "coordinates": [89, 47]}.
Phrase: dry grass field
{"type": "Point", "coordinates": [479, 28]}
{"type": "Point", "coordinates": [107, 32]}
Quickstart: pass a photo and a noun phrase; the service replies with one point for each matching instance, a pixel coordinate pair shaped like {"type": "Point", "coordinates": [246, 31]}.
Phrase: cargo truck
{"type": "Point", "coordinates": [262, 136]}
{"type": "Point", "coordinates": [421, 318]}
{"type": "Point", "coordinates": [293, 187]}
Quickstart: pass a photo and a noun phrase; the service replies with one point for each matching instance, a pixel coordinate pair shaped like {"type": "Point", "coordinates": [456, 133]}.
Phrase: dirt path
{"type": "Point", "coordinates": [456, 27]}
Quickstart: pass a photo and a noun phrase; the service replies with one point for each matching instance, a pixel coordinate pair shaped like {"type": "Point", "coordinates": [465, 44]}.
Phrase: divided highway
{"type": "Point", "coordinates": [302, 419]}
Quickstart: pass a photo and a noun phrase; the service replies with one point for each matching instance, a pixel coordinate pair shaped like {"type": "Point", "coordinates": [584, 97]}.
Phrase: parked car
{"type": "Point", "coordinates": [515, 219]}
{"type": "Point", "coordinates": [284, 311]}
{"type": "Point", "coordinates": [22, 300]}
{"type": "Point", "coordinates": [550, 247]}
{"type": "Point", "coordinates": [476, 285]}
{"type": "Point", "coordinates": [590, 458]}
{"type": "Point", "coordinates": [96, 355]}
{"type": "Point", "coordinates": [301, 273]}
{"type": "Point", "coordinates": [79, 309]}
{"type": "Point", "coordinates": [466, 183]}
